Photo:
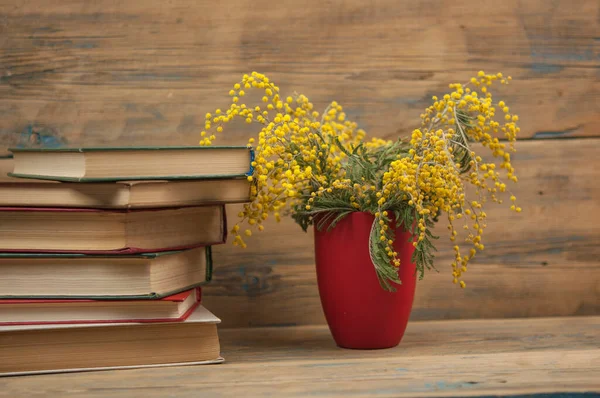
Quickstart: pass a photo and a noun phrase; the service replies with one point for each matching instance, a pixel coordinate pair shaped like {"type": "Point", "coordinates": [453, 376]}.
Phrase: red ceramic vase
{"type": "Point", "coordinates": [359, 312]}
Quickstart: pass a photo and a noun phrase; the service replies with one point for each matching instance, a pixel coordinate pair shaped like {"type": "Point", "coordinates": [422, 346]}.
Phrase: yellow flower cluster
{"type": "Point", "coordinates": [432, 177]}
{"type": "Point", "coordinates": [295, 155]}
{"type": "Point", "coordinates": [302, 161]}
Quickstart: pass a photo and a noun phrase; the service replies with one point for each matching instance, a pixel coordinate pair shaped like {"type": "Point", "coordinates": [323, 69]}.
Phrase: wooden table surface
{"type": "Point", "coordinates": [436, 358]}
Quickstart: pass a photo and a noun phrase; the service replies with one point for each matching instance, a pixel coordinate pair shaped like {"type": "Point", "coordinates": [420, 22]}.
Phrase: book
{"type": "Point", "coordinates": [37, 349]}
{"type": "Point", "coordinates": [7, 165]}
{"type": "Point", "coordinates": [124, 194]}
{"type": "Point", "coordinates": [174, 308]}
{"type": "Point", "coordinates": [97, 164]}
{"type": "Point", "coordinates": [83, 276]}
{"type": "Point", "coordinates": [127, 231]}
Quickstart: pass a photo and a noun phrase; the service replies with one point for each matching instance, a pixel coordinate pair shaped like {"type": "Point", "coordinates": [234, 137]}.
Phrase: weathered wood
{"type": "Point", "coordinates": [442, 358]}
{"type": "Point", "coordinates": [544, 261]}
{"type": "Point", "coordinates": [144, 72]}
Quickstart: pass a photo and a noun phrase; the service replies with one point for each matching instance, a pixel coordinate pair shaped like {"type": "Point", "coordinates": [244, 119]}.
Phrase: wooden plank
{"type": "Point", "coordinates": [544, 261]}
{"type": "Point", "coordinates": [443, 358]}
{"type": "Point", "coordinates": [144, 72]}
{"type": "Point", "coordinates": [422, 338]}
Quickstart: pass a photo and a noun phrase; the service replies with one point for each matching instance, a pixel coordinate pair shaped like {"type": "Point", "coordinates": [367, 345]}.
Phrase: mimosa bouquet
{"type": "Point", "coordinates": [319, 167]}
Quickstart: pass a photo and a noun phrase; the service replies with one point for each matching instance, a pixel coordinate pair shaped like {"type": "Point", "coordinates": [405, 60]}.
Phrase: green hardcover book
{"type": "Point", "coordinates": [98, 164]}
{"type": "Point", "coordinates": [112, 277]}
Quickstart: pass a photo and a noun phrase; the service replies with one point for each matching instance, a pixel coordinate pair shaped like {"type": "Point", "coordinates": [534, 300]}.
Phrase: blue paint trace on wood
{"type": "Point", "coordinates": [85, 45]}
{"type": "Point", "coordinates": [550, 57]}
{"type": "Point", "coordinates": [156, 113]}
{"type": "Point", "coordinates": [274, 325]}
{"type": "Point", "coordinates": [554, 134]}
{"type": "Point", "coordinates": [328, 365]}
{"type": "Point", "coordinates": [539, 67]}
{"type": "Point", "coordinates": [44, 138]}
{"type": "Point", "coordinates": [577, 55]}
{"type": "Point", "coordinates": [407, 100]}
{"type": "Point", "coordinates": [444, 386]}
{"type": "Point", "coordinates": [549, 395]}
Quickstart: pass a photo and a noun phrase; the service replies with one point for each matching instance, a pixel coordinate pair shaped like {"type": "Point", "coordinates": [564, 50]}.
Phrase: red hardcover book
{"type": "Point", "coordinates": [70, 230]}
{"type": "Point", "coordinates": [174, 308]}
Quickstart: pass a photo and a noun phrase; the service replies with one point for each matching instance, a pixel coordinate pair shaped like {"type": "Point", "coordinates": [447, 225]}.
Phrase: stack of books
{"type": "Point", "coordinates": [104, 252]}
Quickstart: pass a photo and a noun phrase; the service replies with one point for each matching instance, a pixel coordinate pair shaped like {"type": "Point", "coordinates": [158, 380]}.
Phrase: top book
{"type": "Point", "coordinates": [95, 164]}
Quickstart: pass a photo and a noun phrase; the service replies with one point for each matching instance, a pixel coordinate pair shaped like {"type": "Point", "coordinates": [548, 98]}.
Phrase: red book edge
{"type": "Point", "coordinates": [94, 210]}
{"type": "Point", "coordinates": [122, 321]}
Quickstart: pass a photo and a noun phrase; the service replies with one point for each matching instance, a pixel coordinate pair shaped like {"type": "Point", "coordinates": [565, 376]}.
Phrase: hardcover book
{"type": "Point", "coordinates": [97, 164]}
{"type": "Point", "coordinates": [174, 308]}
{"type": "Point", "coordinates": [36, 349]}
{"type": "Point", "coordinates": [111, 277]}
{"type": "Point", "coordinates": [72, 230]}
{"type": "Point", "coordinates": [123, 194]}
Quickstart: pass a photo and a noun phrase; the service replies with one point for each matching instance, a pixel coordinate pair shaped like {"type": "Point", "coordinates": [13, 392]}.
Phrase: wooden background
{"type": "Point", "coordinates": [145, 72]}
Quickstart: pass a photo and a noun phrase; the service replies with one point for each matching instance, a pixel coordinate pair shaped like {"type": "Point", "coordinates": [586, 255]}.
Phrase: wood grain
{"type": "Point", "coordinates": [133, 73]}
{"type": "Point", "coordinates": [442, 358]}
{"type": "Point", "coordinates": [144, 72]}
{"type": "Point", "coordinates": [544, 261]}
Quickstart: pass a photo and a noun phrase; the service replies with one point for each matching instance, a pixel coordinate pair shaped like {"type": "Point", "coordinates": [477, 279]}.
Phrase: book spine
{"type": "Point", "coordinates": [209, 263]}
{"type": "Point", "coordinates": [251, 169]}
{"type": "Point", "coordinates": [224, 223]}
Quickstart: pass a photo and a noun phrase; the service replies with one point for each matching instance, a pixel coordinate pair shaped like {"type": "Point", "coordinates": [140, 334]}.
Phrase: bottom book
{"type": "Point", "coordinates": [37, 349]}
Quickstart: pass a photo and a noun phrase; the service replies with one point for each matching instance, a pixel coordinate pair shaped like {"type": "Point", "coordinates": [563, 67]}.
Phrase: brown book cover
{"type": "Point", "coordinates": [71, 230]}
{"type": "Point", "coordinates": [174, 308]}
{"type": "Point", "coordinates": [101, 164]}
{"type": "Point", "coordinates": [15, 192]}
{"type": "Point", "coordinates": [143, 276]}
{"type": "Point", "coordinates": [38, 349]}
